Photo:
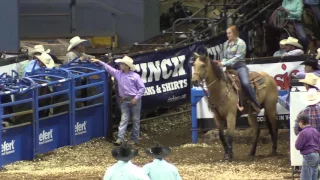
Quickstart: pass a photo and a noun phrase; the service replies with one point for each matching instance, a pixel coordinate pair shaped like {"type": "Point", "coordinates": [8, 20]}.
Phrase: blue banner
{"type": "Point", "coordinates": [166, 75]}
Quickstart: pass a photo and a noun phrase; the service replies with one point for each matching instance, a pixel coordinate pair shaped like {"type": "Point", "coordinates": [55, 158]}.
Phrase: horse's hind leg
{"type": "Point", "coordinates": [231, 123]}
{"type": "Point", "coordinates": [271, 120]}
{"type": "Point", "coordinates": [252, 119]}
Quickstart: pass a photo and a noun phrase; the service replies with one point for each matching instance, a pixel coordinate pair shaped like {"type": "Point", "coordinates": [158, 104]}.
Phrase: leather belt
{"type": "Point", "coordinates": [129, 98]}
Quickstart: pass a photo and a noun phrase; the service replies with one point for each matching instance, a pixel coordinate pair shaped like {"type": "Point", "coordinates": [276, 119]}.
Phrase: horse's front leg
{"type": "Point", "coordinates": [231, 123]}
{"type": "Point", "coordinates": [220, 127]}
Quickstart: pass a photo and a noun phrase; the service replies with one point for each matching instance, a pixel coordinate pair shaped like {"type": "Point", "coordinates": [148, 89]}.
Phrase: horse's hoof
{"type": "Point", "coordinates": [274, 153]}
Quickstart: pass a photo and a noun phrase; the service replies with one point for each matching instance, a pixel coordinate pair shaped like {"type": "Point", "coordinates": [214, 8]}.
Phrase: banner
{"type": "Point", "coordinates": [166, 75]}
{"type": "Point", "coordinates": [296, 105]}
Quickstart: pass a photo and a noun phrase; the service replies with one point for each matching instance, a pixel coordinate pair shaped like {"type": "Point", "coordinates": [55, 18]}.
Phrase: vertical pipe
{"type": "Point", "coordinates": [1, 129]}
{"type": "Point", "coordinates": [105, 103]}
{"type": "Point", "coordinates": [73, 15]}
{"type": "Point", "coordinates": [225, 13]}
{"type": "Point", "coordinates": [73, 109]}
{"type": "Point", "coordinates": [194, 123]}
{"type": "Point", "coordinates": [71, 125]}
{"type": "Point", "coordinates": [35, 120]}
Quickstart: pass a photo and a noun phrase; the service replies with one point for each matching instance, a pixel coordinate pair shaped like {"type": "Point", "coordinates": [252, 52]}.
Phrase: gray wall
{"type": "Point", "coordinates": [139, 22]}
{"type": "Point", "coordinates": [9, 31]}
{"type": "Point", "coordinates": [93, 18]}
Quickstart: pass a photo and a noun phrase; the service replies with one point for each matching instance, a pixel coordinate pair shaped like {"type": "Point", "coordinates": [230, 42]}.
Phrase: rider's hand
{"type": "Point", "coordinates": [94, 60]}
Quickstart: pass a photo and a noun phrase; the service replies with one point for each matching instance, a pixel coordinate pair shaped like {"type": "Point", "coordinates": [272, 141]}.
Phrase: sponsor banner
{"type": "Point", "coordinates": [166, 75]}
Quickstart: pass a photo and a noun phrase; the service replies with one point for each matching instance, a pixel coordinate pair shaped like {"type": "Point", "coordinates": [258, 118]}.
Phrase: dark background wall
{"type": "Point", "coordinates": [132, 20]}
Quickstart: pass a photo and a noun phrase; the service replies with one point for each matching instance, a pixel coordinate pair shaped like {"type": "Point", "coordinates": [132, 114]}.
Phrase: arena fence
{"type": "Point", "coordinates": [52, 108]}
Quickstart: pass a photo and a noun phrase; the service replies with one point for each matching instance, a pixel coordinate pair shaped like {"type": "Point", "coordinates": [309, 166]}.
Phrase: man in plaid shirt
{"type": "Point", "coordinates": [313, 111]}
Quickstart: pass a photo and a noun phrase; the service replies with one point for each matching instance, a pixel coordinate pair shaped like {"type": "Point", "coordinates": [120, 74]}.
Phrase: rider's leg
{"type": "Point", "coordinates": [243, 73]}
{"type": "Point", "coordinates": [299, 27]}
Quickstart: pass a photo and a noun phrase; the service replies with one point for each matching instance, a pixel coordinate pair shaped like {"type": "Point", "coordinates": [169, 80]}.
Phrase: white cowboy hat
{"type": "Point", "coordinates": [128, 61]}
{"type": "Point", "coordinates": [312, 97]}
{"type": "Point", "coordinates": [318, 55]}
{"type": "Point", "coordinates": [283, 42]}
{"type": "Point", "coordinates": [75, 41]}
{"type": "Point", "coordinates": [311, 79]}
{"type": "Point", "coordinates": [39, 49]}
{"type": "Point", "coordinates": [46, 59]}
{"type": "Point", "coordinates": [293, 41]}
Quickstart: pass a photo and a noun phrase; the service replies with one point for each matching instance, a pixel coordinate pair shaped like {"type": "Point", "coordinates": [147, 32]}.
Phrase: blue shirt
{"type": "Point", "coordinates": [161, 170]}
{"type": "Point", "coordinates": [125, 171]}
{"type": "Point", "coordinates": [30, 65]}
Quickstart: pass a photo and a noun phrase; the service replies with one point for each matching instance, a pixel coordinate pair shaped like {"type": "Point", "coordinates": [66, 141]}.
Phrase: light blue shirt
{"type": "Point", "coordinates": [29, 67]}
{"type": "Point", "coordinates": [161, 170]}
{"type": "Point", "coordinates": [125, 171]}
{"type": "Point", "coordinates": [279, 53]}
{"type": "Point", "coordinates": [233, 52]}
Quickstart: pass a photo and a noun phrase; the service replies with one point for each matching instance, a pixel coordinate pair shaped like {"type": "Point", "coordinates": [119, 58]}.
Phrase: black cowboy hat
{"type": "Point", "coordinates": [158, 152]}
{"type": "Point", "coordinates": [124, 152]}
{"type": "Point", "coordinates": [311, 62]}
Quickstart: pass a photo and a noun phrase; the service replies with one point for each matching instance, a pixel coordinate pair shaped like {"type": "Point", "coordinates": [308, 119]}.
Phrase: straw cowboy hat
{"type": "Point", "coordinates": [39, 49]}
{"type": "Point", "coordinates": [311, 79]}
{"type": "Point", "coordinates": [75, 41]}
{"type": "Point", "coordinates": [158, 152]}
{"type": "Point", "coordinates": [283, 42]}
{"type": "Point", "coordinates": [124, 152]}
{"type": "Point", "coordinates": [46, 59]}
{"type": "Point", "coordinates": [311, 62]}
{"type": "Point", "coordinates": [312, 97]}
{"type": "Point", "coordinates": [293, 41]}
{"type": "Point", "coordinates": [318, 55]}
{"type": "Point", "coordinates": [128, 61]}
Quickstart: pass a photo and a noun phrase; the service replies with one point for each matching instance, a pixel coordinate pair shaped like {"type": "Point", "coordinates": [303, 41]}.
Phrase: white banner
{"type": "Point", "coordinates": [296, 105]}
{"type": "Point", "coordinates": [279, 71]}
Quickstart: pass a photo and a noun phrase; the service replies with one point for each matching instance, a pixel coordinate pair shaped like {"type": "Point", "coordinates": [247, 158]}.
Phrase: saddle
{"type": "Point", "coordinates": [257, 82]}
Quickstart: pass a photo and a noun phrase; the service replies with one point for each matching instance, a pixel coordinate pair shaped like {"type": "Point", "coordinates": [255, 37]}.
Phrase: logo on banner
{"type": "Point", "coordinates": [215, 52]}
{"type": "Point", "coordinates": [165, 69]}
{"type": "Point", "coordinates": [7, 148]}
{"type": "Point", "coordinates": [81, 128]}
{"type": "Point", "coordinates": [46, 137]}
{"type": "Point", "coordinates": [176, 98]}
{"type": "Point", "coordinates": [283, 80]}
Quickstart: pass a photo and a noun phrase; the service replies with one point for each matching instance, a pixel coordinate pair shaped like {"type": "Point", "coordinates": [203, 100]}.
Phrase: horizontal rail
{"type": "Point", "coordinates": [53, 105]}
{"type": "Point", "coordinates": [89, 85]}
{"type": "Point", "coordinates": [89, 98]}
{"type": "Point", "coordinates": [90, 106]}
{"type": "Point", "coordinates": [16, 102]}
{"type": "Point", "coordinates": [53, 83]}
{"type": "Point", "coordinates": [23, 15]}
{"type": "Point", "coordinates": [54, 115]}
{"type": "Point", "coordinates": [54, 94]}
{"type": "Point", "coordinates": [17, 114]}
{"type": "Point", "coordinates": [90, 74]}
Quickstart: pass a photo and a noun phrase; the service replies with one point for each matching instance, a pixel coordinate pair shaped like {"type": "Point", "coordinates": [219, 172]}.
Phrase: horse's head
{"type": "Point", "coordinates": [200, 66]}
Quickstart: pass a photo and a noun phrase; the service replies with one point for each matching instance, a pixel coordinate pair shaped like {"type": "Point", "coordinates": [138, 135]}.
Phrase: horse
{"type": "Point", "coordinates": [223, 102]}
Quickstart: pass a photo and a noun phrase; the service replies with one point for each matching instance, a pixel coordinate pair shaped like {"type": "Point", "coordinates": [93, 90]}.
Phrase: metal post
{"type": "Point", "coordinates": [73, 15]}
{"type": "Point", "coordinates": [225, 13]}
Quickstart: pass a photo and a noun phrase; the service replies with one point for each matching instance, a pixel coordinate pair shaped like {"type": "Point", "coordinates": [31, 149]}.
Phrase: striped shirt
{"type": "Point", "coordinates": [313, 111]}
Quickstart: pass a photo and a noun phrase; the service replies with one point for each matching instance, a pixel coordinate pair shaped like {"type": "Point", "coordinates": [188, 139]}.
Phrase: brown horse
{"type": "Point", "coordinates": [223, 102]}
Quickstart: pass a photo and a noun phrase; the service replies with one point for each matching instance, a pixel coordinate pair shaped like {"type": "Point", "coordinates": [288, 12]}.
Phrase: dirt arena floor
{"type": "Point", "coordinates": [195, 162]}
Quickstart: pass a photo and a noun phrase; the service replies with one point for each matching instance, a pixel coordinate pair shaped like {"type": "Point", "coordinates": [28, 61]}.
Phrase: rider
{"type": "Point", "coordinates": [234, 52]}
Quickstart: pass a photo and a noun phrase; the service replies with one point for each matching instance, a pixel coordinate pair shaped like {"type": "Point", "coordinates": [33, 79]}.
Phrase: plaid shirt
{"type": "Point", "coordinates": [313, 111]}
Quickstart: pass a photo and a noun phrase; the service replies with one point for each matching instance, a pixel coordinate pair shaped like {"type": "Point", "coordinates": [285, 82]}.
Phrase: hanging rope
{"type": "Point", "coordinates": [277, 19]}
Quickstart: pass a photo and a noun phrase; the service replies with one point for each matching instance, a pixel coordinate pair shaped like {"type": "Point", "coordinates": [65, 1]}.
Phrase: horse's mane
{"type": "Point", "coordinates": [216, 69]}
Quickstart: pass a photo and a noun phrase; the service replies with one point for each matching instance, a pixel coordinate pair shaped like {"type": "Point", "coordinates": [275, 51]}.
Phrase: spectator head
{"type": "Point", "coordinates": [158, 152]}
{"type": "Point", "coordinates": [310, 65]}
{"type": "Point", "coordinates": [126, 64]}
{"type": "Point", "coordinates": [37, 50]}
{"type": "Point", "coordinates": [124, 152]}
{"type": "Point", "coordinates": [303, 120]}
{"type": "Point", "coordinates": [311, 81]}
{"type": "Point", "coordinates": [292, 43]}
{"type": "Point", "coordinates": [76, 44]}
{"type": "Point", "coordinates": [232, 33]}
{"type": "Point", "coordinates": [282, 44]}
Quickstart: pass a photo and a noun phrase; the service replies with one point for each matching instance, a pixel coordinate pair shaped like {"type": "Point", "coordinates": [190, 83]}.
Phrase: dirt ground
{"type": "Point", "coordinates": [199, 161]}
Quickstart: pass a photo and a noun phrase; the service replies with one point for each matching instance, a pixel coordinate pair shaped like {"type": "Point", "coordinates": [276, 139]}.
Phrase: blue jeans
{"type": "Point", "coordinates": [243, 73]}
{"type": "Point", "coordinates": [301, 34]}
{"type": "Point", "coordinates": [309, 170]}
{"type": "Point", "coordinates": [128, 111]}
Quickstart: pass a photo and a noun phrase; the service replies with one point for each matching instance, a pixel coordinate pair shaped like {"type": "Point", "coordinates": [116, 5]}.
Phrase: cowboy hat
{"type": "Point", "coordinates": [312, 97]}
{"type": "Point", "coordinates": [75, 41]}
{"type": "Point", "coordinates": [39, 49]}
{"type": "Point", "coordinates": [311, 62]}
{"type": "Point", "coordinates": [293, 41]}
{"type": "Point", "coordinates": [124, 152]}
{"type": "Point", "coordinates": [318, 55]}
{"type": "Point", "coordinates": [311, 79]}
{"type": "Point", "coordinates": [283, 42]}
{"type": "Point", "coordinates": [46, 59]}
{"type": "Point", "coordinates": [158, 152]}
{"type": "Point", "coordinates": [128, 61]}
